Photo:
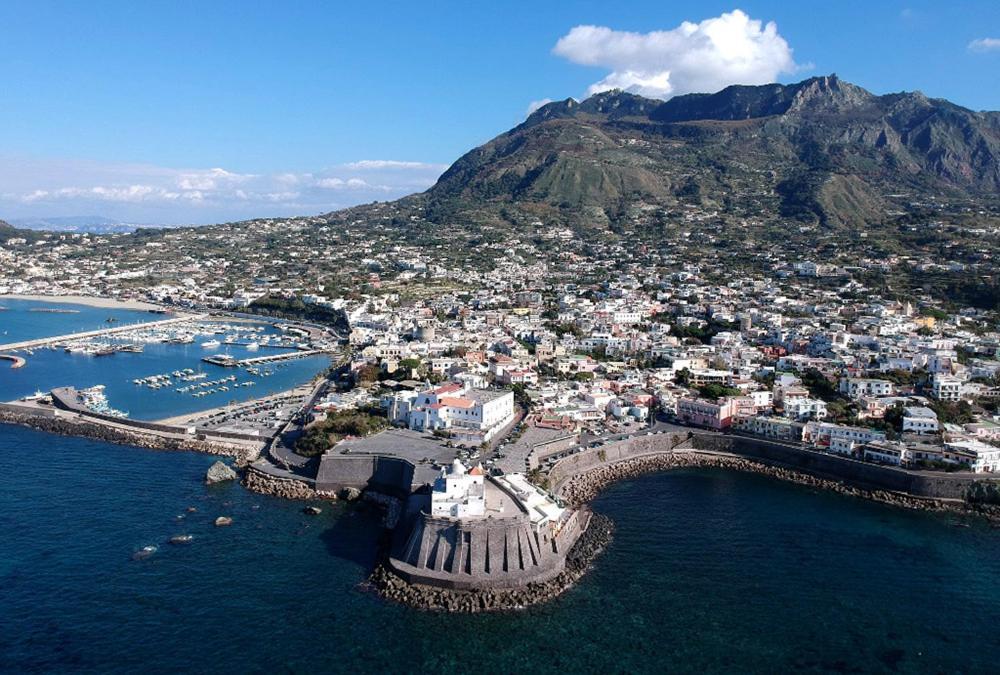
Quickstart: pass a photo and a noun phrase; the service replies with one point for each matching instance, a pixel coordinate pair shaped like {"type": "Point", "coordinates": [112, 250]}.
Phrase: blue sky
{"type": "Point", "coordinates": [173, 112]}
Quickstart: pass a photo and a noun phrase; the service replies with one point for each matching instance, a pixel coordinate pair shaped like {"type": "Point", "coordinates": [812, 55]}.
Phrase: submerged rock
{"type": "Point", "coordinates": [222, 521]}
{"type": "Point", "coordinates": [349, 494]}
{"type": "Point", "coordinates": [218, 473]}
{"type": "Point", "coordinates": [144, 552]}
{"type": "Point", "coordinates": [312, 510]}
{"type": "Point", "coordinates": [181, 539]}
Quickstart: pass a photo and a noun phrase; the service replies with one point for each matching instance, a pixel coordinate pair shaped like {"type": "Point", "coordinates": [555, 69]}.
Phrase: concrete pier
{"type": "Point", "coordinates": [41, 342]}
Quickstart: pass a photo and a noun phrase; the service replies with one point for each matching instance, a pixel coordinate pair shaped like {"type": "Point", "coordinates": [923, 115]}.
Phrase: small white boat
{"type": "Point", "coordinates": [211, 344]}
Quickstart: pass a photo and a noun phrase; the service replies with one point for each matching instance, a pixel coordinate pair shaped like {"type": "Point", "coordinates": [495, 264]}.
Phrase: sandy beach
{"type": "Point", "coordinates": [91, 301]}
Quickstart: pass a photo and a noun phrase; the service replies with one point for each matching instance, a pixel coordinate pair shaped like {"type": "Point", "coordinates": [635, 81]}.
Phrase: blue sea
{"type": "Point", "coordinates": [30, 319]}
{"type": "Point", "coordinates": [709, 572]}
{"type": "Point", "coordinates": [48, 368]}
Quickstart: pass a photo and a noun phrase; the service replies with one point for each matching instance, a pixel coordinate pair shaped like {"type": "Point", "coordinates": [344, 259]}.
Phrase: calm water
{"type": "Point", "coordinates": [18, 322]}
{"type": "Point", "coordinates": [709, 572]}
{"type": "Point", "coordinates": [49, 368]}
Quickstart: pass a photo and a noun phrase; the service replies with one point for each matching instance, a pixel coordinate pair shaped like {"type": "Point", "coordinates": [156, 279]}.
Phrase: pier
{"type": "Point", "coordinates": [18, 362]}
{"type": "Point", "coordinates": [230, 362]}
{"type": "Point", "coordinates": [41, 342]}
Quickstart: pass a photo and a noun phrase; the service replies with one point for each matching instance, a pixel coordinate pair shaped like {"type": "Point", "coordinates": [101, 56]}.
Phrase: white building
{"type": "Point", "coordinates": [805, 409]}
{"type": "Point", "coordinates": [980, 457]}
{"type": "Point", "coordinates": [824, 434]}
{"type": "Point", "coordinates": [541, 508]}
{"type": "Point", "coordinates": [856, 388]}
{"type": "Point", "coordinates": [473, 415]}
{"type": "Point", "coordinates": [459, 493]}
{"type": "Point", "coordinates": [920, 420]}
{"type": "Point", "coordinates": [947, 388]}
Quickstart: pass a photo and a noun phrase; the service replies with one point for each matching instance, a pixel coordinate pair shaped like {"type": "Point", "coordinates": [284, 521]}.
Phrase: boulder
{"type": "Point", "coordinates": [218, 473]}
{"type": "Point", "coordinates": [312, 510]}
{"type": "Point", "coordinates": [222, 521]}
{"type": "Point", "coordinates": [349, 494]}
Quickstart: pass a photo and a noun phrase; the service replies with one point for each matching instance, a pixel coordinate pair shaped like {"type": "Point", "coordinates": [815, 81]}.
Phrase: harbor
{"type": "Point", "coordinates": [155, 370]}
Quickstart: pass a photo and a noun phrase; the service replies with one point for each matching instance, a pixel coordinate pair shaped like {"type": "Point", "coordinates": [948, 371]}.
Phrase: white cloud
{"type": "Point", "coordinates": [36, 187]}
{"type": "Point", "coordinates": [535, 105]}
{"type": "Point", "coordinates": [341, 184]}
{"type": "Point", "coordinates": [983, 45]}
{"type": "Point", "coordinates": [392, 164]}
{"type": "Point", "coordinates": [694, 57]}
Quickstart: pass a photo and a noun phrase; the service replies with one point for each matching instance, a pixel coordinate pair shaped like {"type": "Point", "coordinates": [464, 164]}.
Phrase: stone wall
{"type": "Point", "coordinates": [929, 485]}
{"type": "Point", "coordinates": [389, 475]}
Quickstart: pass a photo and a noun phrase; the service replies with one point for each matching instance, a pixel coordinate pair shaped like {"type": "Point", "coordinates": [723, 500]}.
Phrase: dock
{"type": "Point", "coordinates": [229, 362]}
{"type": "Point", "coordinates": [41, 342]}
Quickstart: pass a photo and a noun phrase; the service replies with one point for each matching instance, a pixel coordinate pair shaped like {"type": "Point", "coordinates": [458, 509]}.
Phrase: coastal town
{"type": "Point", "coordinates": [590, 339]}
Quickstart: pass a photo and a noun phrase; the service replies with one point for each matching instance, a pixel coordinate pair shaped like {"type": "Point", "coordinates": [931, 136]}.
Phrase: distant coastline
{"type": "Point", "coordinates": [90, 301]}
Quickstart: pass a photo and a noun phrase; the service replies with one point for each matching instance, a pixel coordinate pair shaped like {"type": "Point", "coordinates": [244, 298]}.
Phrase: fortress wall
{"type": "Point", "coordinates": [482, 553]}
{"type": "Point", "coordinates": [388, 475]}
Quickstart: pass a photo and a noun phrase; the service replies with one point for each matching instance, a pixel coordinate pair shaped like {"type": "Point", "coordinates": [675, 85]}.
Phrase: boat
{"type": "Point", "coordinates": [211, 344]}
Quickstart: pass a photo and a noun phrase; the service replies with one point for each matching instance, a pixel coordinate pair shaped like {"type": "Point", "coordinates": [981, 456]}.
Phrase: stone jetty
{"type": "Point", "coordinates": [121, 436]}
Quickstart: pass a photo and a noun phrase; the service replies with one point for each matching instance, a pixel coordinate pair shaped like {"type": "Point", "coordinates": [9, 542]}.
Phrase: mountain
{"type": "Point", "coordinates": [819, 151]}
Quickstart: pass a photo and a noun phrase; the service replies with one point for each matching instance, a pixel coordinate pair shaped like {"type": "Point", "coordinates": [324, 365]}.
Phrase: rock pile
{"type": "Point", "coordinates": [590, 544]}
{"type": "Point", "coordinates": [286, 488]}
{"type": "Point", "coordinates": [218, 473]}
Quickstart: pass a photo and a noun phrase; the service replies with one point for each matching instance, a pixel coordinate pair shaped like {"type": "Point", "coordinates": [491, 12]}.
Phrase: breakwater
{"type": "Point", "coordinates": [121, 436]}
{"type": "Point", "coordinates": [276, 486]}
{"type": "Point", "coordinates": [594, 539]}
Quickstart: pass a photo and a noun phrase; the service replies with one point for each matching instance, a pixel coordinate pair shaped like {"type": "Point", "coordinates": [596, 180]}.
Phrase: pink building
{"type": "Point", "coordinates": [702, 413]}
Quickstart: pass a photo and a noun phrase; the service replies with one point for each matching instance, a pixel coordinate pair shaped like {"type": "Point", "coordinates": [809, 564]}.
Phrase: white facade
{"type": "Point", "coordinates": [805, 408]}
{"type": "Point", "coordinates": [459, 493]}
{"type": "Point", "coordinates": [920, 420]}
{"type": "Point", "coordinates": [947, 388]}
{"type": "Point", "coordinates": [470, 414]}
{"type": "Point", "coordinates": [858, 387]}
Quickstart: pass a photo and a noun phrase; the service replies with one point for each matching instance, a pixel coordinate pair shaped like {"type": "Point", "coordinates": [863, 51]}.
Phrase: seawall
{"type": "Point", "coordinates": [580, 477]}
{"type": "Point", "coordinates": [69, 426]}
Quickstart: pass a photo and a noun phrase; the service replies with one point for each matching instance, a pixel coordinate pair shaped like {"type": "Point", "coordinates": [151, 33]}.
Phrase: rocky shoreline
{"type": "Point", "coordinates": [591, 543]}
{"type": "Point", "coordinates": [584, 487]}
{"type": "Point", "coordinates": [100, 432]}
{"type": "Point", "coordinates": [286, 488]}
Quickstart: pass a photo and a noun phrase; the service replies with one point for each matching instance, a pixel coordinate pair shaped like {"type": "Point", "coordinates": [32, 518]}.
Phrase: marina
{"type": "Point", "coordinates": [156, 371]}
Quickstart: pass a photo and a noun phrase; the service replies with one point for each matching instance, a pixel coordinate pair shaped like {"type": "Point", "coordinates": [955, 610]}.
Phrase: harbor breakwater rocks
{"type": "Point", "coordinates": [581, 556]}
{"type": "Point", "coordinates": [276, 486]}
{"type": "Point", "coordinates": [584, 487]}
{"type": "Point", "coordinates": [120, 436]}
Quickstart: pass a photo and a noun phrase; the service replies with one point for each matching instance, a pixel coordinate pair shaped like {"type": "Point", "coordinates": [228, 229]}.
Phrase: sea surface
{"type": "Point", "coordinates": [709, 572]}
{"type": "Point", "coordinates": [30, 319]}
{"type": "Point", "coordinates": [47, 368]}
